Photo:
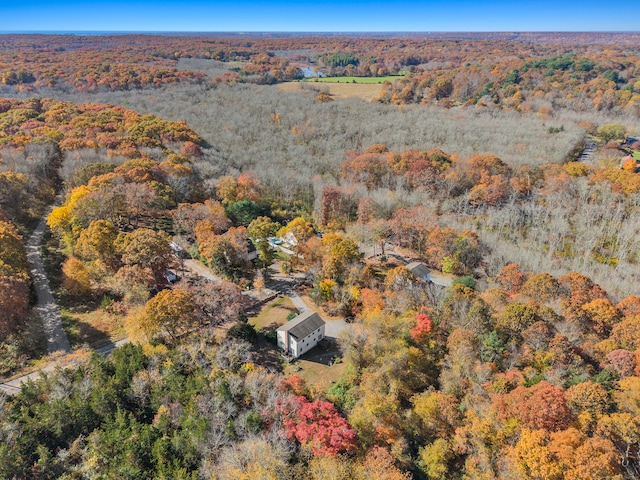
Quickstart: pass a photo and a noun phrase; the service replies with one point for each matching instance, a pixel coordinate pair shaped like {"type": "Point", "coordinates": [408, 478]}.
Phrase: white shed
{"type": "Point", "coordinates": [301, 334]}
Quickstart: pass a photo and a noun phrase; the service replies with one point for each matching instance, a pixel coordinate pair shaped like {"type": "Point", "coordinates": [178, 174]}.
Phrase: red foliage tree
{"type": "Point", "coordinates": [191, 149]}
{"type": "Point", "coordinates": [540, 406]}
{"type": "Point", "coordinates": [338, 206]}
{"type": "Point", "coordinates": [621, 361]}
{"type": "Point", "coordinates": [424, 326]}
{"type": "Point", "coordinates": [318, 425]}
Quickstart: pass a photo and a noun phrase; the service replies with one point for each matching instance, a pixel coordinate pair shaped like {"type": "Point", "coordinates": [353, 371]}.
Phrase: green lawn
{"type": "Point", "coordinates": [282, 256]}
{"type": "Point", "coordinates": [636, 154]}
{"type": "Point", "coordinates": [317, 374]}
{"type": "Point", "coordinates": [388, 78]}
{"type": "Point", "coordinates": [273, 314]}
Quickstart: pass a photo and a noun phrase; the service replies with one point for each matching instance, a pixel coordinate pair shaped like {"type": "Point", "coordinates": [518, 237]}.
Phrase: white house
{"type": "Point", "coordinates": [290, 240]}
{"type": "Point", "coordinates": [420, 270]}
{"type": "Point", "coordinates": [301, 334]}
{"type": "Point", "coordinates": [285, 244]}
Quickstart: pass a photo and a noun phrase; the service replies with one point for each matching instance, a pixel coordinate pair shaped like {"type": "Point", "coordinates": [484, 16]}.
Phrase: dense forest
{"type": "Point", "coordinates": [156, 151]}
{"type": "Point", "coordinates": [528, 72]}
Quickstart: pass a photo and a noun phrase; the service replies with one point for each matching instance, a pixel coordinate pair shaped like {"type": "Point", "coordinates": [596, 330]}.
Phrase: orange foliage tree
{"type": "Point", "coordinates": [540, 406]}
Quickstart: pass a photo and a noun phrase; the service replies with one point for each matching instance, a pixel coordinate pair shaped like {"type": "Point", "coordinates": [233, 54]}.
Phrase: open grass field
{"type": "Point", "coordinates": [318, 375]}
{"type": "Point", "coordinates": [93, 327]}
{"type": "Point", "coordinates": [365, 80]}
{"type": "Point", "coordinates": [365, 91]}
{"type": "Point", "coordinates": [273, 314]}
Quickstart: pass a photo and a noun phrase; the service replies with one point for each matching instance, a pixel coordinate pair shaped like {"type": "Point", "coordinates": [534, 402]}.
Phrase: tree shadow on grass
{"type": "Point", "coordinates": [82, 333]}
{"type": "Point", "coordinates": [267, 354]}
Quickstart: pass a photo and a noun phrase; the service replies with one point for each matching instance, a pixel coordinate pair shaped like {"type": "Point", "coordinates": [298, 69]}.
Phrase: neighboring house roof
{"type": "Point", "coordinates": [303, 325]}
{"type": "Point", "coordinates": [631, 142]}
{"type": "Point", "coordinates": [291, 239]}
{"type": "Point", "coordinates": [419, 269]}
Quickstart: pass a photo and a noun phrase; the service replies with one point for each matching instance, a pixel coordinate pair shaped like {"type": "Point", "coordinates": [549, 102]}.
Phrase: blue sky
{"type": "Point", "coordinates": [316, 16]}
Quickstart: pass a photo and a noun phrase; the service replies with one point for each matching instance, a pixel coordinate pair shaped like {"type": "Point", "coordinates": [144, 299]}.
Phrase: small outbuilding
{"type": "Point", "coordinates": [420, 270]}
{"type": "Point", "coordinates": [301, 334]}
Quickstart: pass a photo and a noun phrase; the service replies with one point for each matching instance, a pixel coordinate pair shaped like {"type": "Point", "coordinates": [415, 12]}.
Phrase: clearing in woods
{"type": "Point", "coordinates": [93, 327]}
{"type": "Point", "coordinates": [365, 91]}
{"type": "Point", "coordinates": [273, 314]}
{"type": "Point", "coordinates": [368, 80]}
{"type": "Point", "coordinates": [316, 373]}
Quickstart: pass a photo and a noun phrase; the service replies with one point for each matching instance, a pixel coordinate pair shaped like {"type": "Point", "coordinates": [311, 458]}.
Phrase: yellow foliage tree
{"type": "Point", "coordinates": [76, 277]}
{"type": "Point", "coordinates": [13, 257]}
{"type": "Point", "coordinates": [61, 218]}
{"type": "Point", "coordinates": [97, 241]}
{"type": "Point", "coordinates": [434, 458]}
{"type": "Point", "coordinates": [576, 169]}
{"type": "Point", "coordinates": [329, 467]}
{"type": "Point", "coordinates": [627, 396]}
{"type": "Point", "coordinates": [533, 458]}
{"type": "Point", "coordinates": [299, 227]}
{"type": "Point", "coordinates": [630, 165]}
{"type": "Point", "coordinates": [169, 314]}
{"type": "Point", "coordinates": [603, 314]}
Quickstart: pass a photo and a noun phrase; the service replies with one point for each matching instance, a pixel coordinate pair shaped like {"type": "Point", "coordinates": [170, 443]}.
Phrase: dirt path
{"type": "Point", "coordinates": [285, 285]}
{"type": "Point", "coordinates": [13, 387]}
{"type": "Point", "coordinates": [199, 269]}
{"type": "Point", "coordinates": [46, 307]}
{"type": "Point", "coordinates": [588, 152]}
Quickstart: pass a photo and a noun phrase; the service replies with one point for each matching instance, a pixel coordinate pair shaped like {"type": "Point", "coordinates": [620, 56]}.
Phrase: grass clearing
{"type": "Point", "coordinates": [365, 91]}
{"type": "Point", "coordinates": [314, 370]}
{"type": "Point", "coordinates": [280, 255]}
{"type": "Point", "coordinates": [273, 314]}
{"type": "Point", "coordinates": [94, 328]}
{"type": "Point", "coordinates": [361, 80]}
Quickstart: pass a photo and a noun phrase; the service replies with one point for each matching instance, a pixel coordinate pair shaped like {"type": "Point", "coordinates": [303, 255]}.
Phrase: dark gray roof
{"type": "Point", "coordinates": [303, 325]}
{"type": "Point", "coordinates": [419, 269]}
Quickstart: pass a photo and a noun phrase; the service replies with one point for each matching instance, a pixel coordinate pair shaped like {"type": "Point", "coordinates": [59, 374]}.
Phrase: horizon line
{"type": "Point", "coordinates": [297, 32]}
